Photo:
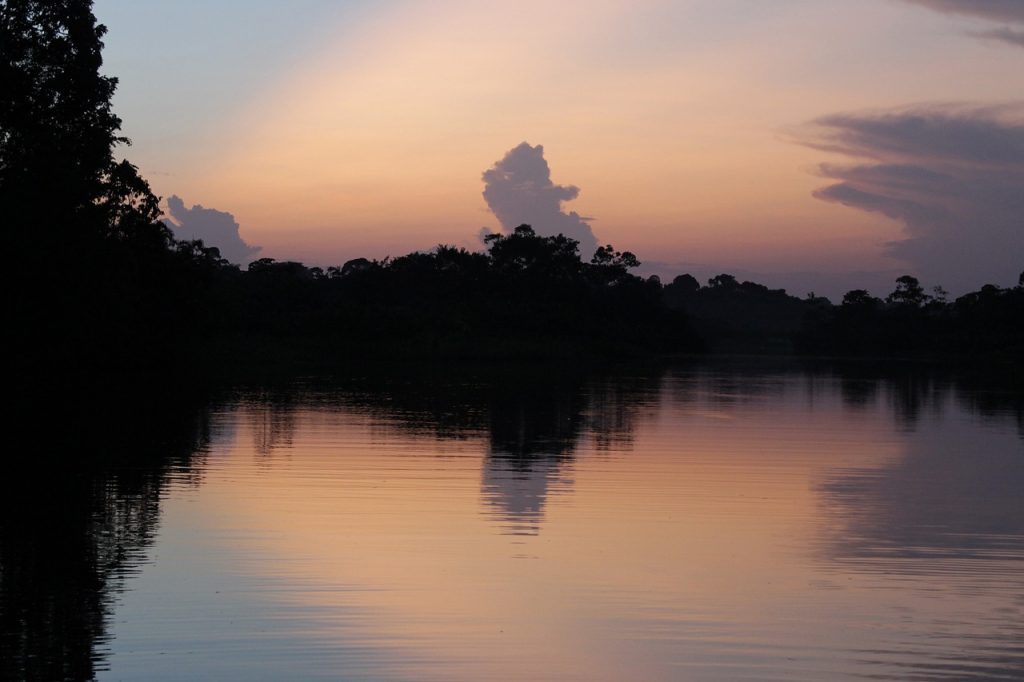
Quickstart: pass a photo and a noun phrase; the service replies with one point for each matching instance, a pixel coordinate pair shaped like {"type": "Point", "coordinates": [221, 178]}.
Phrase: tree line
{"type": "Point", "coordinates": [749, 317]}
{"type": "Point", "coordinates": [529, 295]}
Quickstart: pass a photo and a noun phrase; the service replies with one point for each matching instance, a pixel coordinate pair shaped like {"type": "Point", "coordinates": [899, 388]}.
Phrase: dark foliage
{"type": "Point", "coordinates": [528, 296]}
{"type": "Point", "coordinates": [987, 323]}
{"type": "Point", "coordinates": [117, 290]}
{"type": "Point", "coordinates": [740, 317]}
{"type": "Point", "coordinates": [747, 317]}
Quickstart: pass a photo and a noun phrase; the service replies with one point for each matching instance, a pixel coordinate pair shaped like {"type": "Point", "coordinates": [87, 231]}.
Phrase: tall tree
{"type": "Point", "coordinates": [97, 282]}
{"type": "Point", "coordinates": [908, 292]}
{"type": "Point", "coordinates": [60, 185]}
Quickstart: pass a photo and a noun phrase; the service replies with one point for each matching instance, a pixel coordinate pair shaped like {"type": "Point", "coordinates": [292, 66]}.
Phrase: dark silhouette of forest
{"type": "Point", "coordinates": [101, 287]}
{"type": "Point", "coordinates": [533, 297]}
{"type": "Point", "coordinates": [747, 317]}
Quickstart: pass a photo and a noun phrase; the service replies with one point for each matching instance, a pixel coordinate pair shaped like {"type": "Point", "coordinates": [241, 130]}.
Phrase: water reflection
{"type": "Point", "coordinates": [944, 518]}
{"type": "Point", "coordinates": [532, 422]}
{"type": "Point", "coordinates": [79, 508]}
{"type": "Point", "coordinates": [952, 494]}
{"type": "Point", "coordinates": [533, 434]}
{"type": "Point", "coordinates": [273, 422]}
{"type": "Point", "coordinates": [705, 523]}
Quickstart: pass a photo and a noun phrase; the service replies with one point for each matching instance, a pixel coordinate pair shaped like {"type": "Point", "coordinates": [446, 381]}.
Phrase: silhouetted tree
{"type": "Point", "coordinates": [59, 180]}
{"type": "Point", "coordinates": [612, 267]}
{"type": "Point", "coordinates": [860, 298]}
{"type": "Point", "coordinates": [118, 290]}
{"type": "Point", "coordinates": [908, 292]}
{"type": "Point", "coordinates": [687, 284]}
{"type": "Point", "coordinates": [608, 256]}
{"type": "Point", "coordinates": [723, 281]}
{"type": "Point", "coordinates": [524, 250]}
{"type": "Point", "coordinates": [354, 265]}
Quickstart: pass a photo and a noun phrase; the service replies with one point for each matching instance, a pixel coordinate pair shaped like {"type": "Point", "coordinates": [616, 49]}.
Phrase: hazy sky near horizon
{"type": "Point", "coordinates": [770, 137]}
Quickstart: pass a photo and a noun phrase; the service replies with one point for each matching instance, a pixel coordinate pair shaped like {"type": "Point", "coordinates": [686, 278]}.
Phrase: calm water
{"type": "Point", "coordinates": [694, 524]}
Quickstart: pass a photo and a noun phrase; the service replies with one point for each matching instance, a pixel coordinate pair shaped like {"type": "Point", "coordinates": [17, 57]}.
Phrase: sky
{"type": "Point", "coordinates": [817, 145]}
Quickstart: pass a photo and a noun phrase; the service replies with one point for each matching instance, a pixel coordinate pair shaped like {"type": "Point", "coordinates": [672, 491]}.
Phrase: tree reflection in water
{"type": "Point", "coordinates": [532, 420]}
{"type": "Point", "coordinates": [78, 510]}
{"type": "Point", "coordinates": [534, 430]}
{"type": "Point", "coordinates": [945, 513]}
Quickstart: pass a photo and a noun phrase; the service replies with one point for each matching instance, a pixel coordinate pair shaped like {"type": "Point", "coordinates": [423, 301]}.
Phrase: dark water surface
{"type": "Point", "coordinates": [692, 524]}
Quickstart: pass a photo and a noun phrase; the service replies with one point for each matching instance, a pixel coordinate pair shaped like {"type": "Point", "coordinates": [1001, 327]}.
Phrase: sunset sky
{"type": "Point", "coordinates": [811, 144]}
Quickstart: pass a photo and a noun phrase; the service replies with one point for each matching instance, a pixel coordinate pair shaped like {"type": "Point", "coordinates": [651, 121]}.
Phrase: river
{"type": "Point", "coordinates": [724, 522]}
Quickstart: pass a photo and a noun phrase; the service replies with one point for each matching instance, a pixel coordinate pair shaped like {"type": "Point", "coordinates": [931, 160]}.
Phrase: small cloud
{"type": "Point", "coordinates": [1006, 35]}
{"type": "Point", "coordinates": [518, 189]}
{"type": "Point", "coordinates": [1002, 11]}
{"type": "Point", "coordinates": [215, 228]}
{"type": "Point", "coordinates": [952, 175]}
{"type": "Point", "coordinates": [994, 10]}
